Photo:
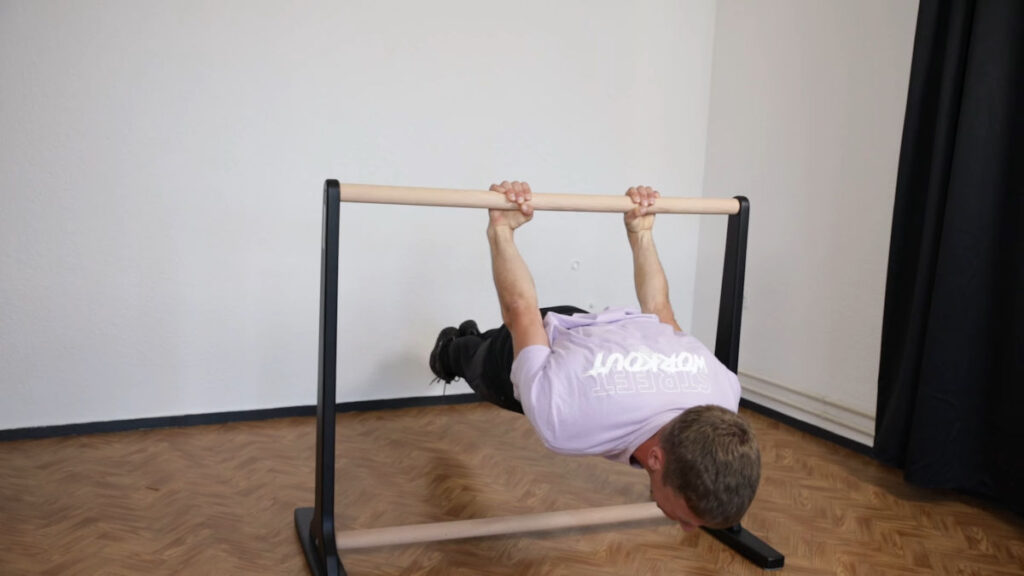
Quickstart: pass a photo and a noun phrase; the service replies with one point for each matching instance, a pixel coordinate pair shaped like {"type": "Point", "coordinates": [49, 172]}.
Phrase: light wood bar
{"type": "Point", "coordinates": [373, 194]}
{"type": "Point", "coordinates": [458, 529]}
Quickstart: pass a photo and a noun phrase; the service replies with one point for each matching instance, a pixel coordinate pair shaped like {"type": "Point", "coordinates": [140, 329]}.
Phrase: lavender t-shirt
{"type": "Point", "coordinates": [611, 380]}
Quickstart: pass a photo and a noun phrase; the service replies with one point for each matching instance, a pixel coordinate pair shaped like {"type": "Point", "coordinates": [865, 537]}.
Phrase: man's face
{"type": "Point", "coordinates": [674, 506]}
{"type": "Point", "coordinates": [670, 502]}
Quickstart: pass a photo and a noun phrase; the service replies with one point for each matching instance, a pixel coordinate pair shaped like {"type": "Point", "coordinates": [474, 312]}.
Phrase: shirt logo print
{"type": "Point", "coordinates": [645, 371]}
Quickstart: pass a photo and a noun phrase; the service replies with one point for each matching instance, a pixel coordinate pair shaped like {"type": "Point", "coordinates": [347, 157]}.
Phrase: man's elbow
{"type": "Point", "coordinates": [664, 312]}
{"type": "Point", "coordinates": [515, 310]}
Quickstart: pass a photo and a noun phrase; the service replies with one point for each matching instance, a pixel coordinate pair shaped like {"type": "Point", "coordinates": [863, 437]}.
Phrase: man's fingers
{"type": "Point", "coordinates": [639, 196]}
{"type": "Point", "coordinates": [645, 192]}
{"type": "Point", "coordinates": [643, 198]}
{"type": "Point", "coordinates": [517, 190]}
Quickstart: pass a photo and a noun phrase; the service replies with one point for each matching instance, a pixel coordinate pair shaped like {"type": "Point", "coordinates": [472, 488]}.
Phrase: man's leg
{"type": "Point", "coordinates": [484, 361]}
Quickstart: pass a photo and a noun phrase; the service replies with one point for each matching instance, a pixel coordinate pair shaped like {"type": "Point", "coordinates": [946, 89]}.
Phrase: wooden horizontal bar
{"type": "Point", "coordinates": [437, 531]}
{"type": "Point", "coordinates": [373, 194]}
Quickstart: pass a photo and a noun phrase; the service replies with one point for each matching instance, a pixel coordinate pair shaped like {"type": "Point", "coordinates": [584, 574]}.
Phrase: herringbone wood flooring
{"type": "Point", "coordinates": [219, 500]}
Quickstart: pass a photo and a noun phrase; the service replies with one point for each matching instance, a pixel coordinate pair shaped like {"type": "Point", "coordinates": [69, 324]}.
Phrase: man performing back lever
{"type": "Point", "coordinates": [624, 384]}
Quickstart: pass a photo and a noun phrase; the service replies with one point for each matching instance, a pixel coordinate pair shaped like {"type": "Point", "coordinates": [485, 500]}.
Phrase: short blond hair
{"type": "Point", "coordinates": [713, 462]}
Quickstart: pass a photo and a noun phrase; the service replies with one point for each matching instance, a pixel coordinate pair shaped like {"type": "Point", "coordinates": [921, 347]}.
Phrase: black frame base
{"type": "Point", "coordinates": [749, 546]}
{"type": "Point", "coordinates": [304, 528]}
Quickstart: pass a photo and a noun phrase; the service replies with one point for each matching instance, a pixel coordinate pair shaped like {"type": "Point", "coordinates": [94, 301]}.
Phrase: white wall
{"type": "Point", "coordinates": [807, 105]}
{"type": "Point", "coordinates": [161, 166]}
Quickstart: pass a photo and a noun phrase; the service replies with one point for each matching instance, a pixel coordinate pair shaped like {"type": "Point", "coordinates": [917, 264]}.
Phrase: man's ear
{"type": "Point", "coordinates": [656, 458]}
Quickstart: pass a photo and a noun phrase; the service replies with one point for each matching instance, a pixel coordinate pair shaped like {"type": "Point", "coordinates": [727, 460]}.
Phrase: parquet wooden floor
{"type": "Point", "coordinates": [219, 500]}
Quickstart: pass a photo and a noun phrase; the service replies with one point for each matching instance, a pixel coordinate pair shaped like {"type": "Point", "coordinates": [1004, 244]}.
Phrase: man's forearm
{"type": "Point", "coordinates": [649, 276]}
{"type": "Point", "coordinates": [512, 278]}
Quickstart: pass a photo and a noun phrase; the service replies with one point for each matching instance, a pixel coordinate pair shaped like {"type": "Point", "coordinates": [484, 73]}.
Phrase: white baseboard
{"type": "Point", "coordinates": [823, 413]}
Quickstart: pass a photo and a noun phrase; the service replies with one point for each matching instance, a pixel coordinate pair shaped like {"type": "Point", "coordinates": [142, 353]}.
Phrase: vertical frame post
{"type": "Point", "coordinates": [315, 526]}
{"type": "Point", "coordinates": [727, 349]}
{"type": "Point", "coordinates": [730, 305]}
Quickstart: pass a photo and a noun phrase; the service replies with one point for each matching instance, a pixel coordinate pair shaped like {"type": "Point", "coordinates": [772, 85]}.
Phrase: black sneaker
{"type": "Point", "coordinates": [469, 328]}
{"type": "Point", "coordinates": [438, 356]}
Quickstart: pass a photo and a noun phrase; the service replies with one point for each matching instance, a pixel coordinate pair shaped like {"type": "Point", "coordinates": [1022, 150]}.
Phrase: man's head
{"type": "Point", "coordinates": [705, 468]}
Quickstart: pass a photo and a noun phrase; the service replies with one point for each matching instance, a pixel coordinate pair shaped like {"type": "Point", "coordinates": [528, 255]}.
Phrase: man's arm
{"type": "Point", "coordinates": [512, 280]}
{"type": "Point", "coordinates": [648, 275]}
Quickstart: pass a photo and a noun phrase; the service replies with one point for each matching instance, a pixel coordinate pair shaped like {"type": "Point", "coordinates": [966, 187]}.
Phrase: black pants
{"type": "Point", "coordinates": [485, 362]}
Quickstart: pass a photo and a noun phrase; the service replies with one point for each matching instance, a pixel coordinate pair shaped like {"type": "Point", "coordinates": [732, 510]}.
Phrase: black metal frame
{"type": "Point", "coordinates": [315, 526]}
{"type": "Point", "coordinates": [727, 349]}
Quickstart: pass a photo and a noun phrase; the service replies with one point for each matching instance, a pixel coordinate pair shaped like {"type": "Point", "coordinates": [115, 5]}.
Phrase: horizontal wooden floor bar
{"type": "Point", "coordinates": [458, 529]}
{"type": "Point", "coordinates": [374, 194]}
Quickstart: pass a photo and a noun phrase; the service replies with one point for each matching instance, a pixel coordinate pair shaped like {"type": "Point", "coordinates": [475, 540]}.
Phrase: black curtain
{"type": "Point", "coordinates": [951, 379]}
